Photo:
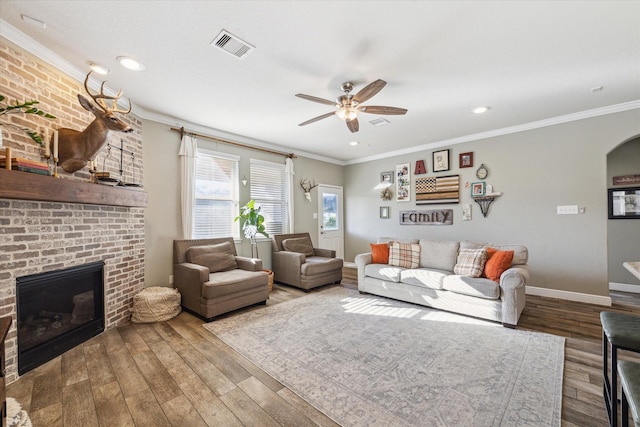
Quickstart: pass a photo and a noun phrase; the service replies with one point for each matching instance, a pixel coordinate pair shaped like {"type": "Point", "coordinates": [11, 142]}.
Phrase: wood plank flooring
{"type": "Point", "coordinates": [176, 374]}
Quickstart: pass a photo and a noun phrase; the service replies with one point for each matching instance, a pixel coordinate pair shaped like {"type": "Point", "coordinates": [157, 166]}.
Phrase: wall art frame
{"type": "Point", "coordinates": [477, 189]}
{"type": "Point", "coordinates": [385, 212]}
{"type": "Point", "coordinates": [466, 160]}
{"type": "Point", "coordinates": [624, 203]}
{"type": "Point", "coordinates": [403, 182]}
{"type": "Point", "coordinates": [386, 177]}
{"type": "Point", "coordinates": [441, 160]}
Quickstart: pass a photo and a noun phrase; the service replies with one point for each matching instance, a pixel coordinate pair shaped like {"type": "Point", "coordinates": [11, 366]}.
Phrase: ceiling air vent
{"type": "Point", "coordinates": [232, 45]}
{"type": "Point", "coordinates": [379, 121]}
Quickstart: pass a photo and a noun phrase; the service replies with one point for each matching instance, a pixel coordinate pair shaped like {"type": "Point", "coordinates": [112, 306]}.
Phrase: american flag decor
{"type": "Point", "coordinates": [440, 189]}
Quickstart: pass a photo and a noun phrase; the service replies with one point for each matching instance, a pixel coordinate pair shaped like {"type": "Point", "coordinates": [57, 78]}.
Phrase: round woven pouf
{"type": "Point", "coordinates": [155, 304]}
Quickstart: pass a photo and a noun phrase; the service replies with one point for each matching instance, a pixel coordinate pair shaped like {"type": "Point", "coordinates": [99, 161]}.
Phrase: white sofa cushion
{"type": "Point", "coordinates": [476, 287]}
{"type": "Point", "coordinates": [383, 272]}
{"type": "Point", "coordinates": [428, 278]}
{"type": "Point", "coordinates": [438, 254]}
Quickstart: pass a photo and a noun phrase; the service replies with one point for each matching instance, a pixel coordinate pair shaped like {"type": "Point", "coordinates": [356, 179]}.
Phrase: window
{"type": "Point", "coordinates": [216, 199]}
{"type": "Point", "coordinates": [269, 189]}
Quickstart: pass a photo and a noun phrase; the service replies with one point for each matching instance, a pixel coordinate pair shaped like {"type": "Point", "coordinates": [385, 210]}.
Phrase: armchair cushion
{"type": "Point", "coordinates": [232, 282]}
{"type": "Point", "coordinates": [319, 265]}
{"type": "Point", "coordinates": [301, 245]}
{"type": "Point", "coordinates": [218, 257]}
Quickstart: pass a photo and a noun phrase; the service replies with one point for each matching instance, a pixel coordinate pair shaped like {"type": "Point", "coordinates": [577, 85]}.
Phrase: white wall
{"type": "Point", "coordinates": [536, 171]}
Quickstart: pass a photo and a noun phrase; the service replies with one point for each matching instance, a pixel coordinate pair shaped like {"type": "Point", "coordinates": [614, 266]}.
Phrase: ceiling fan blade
{"type": "Point", "coordinates": [380, 109]}
{"type": "Point", "coordinates": [369, 90]}
{"type": "Point", "coordinates": [315, 119]}
{"type": "Point", "coordinates": [316, 99]}
{"type": "Point", "coordinates": [353, 125]}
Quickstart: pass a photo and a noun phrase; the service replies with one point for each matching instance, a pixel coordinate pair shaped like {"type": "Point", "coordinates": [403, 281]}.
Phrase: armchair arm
{"type": "Point", "coordinates": [187, 272]}
{"type": "Point", "coordinates": [249, 264]}
{"type": "Point", "coordinates": [188, 279]}
{"type": "Point", "coordinates": [287, 266]}
{"type": "Point", "coordinates": [512, 283]}
{"type": "Point", "coordinates": [327, 253]}
{"type": "Point", "coordinates": [362, 260]}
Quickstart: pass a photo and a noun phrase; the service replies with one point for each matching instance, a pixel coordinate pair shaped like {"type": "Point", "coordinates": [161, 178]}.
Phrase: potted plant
{"type": "Point", "coordinates": [26, 108]}
{"type": "Point", "coordinates": [252, 224]}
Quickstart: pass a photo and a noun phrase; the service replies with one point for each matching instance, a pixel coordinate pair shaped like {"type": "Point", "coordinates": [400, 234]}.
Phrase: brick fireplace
{"type": "Point", "coordinates": [44, 233]}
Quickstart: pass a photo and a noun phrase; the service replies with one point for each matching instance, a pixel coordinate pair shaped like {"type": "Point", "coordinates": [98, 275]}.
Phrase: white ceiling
{"type": "Point", "coordinates": [534, 63]}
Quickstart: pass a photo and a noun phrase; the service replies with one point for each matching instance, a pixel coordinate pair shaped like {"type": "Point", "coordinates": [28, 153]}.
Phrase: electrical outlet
{"type": "Point", "coordinates": [315, 215]}
{"type": "Point", "coordinates": [171, 279]}
{"type": "Point", "coordinates": [567, 210]}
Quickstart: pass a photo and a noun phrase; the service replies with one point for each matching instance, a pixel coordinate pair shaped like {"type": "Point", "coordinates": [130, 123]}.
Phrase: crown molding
{"type": "Point", "coordinates": [596, 112]}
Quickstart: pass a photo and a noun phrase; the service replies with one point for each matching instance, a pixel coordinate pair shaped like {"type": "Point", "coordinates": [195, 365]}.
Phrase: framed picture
{"type": "Point", "coordinates": [466, 160]}
{"type": "Point", "coordinates": [386, 177]}
{"type": "Point", "coordinates": [477, 189]}
{"type": "Point", "coordinates": [384, 212]}
{"type": "Point", "coordinates": [403, 183]}
{"type": "Point", "coordinates": [441, 160]}
{"type": "Point", "coordinates": [624, 203]}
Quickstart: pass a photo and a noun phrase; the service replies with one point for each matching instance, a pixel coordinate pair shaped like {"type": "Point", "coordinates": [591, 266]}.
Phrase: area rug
{"type": "Point", "coordinates": [16, 416]}
{"type": "Point", "coordinates": [371, 361]}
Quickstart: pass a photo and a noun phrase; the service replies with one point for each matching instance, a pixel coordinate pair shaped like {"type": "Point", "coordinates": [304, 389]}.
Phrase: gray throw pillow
{"type": "Point", "coordinates": [219, 257]}
{"type": "Point", "coordinates": [301, 245]}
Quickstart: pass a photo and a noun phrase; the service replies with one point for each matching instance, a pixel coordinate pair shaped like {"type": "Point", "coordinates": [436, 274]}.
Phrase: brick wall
{"type": "Point", "coordinates": [43, 236]}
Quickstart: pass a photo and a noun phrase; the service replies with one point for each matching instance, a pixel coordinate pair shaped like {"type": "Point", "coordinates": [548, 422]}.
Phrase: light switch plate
{"type": "Point", "coordinates": [567, 210]}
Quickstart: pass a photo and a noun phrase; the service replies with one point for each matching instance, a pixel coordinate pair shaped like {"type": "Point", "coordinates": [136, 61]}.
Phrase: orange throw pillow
{"type": "Point", "coordinates": [498, 262]}
{"type": "Point", "coordinates": [380, 253]}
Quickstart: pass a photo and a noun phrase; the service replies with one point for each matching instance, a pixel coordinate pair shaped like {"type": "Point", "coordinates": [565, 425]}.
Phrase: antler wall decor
{"type": "Point", "coordinates": [76, 148]}
{"type": "Point", "coordinates": [307, 187]}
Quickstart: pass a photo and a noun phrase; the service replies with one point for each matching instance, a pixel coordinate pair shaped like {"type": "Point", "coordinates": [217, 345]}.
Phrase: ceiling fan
{"type": "Point", "coordinates": [349, 105]}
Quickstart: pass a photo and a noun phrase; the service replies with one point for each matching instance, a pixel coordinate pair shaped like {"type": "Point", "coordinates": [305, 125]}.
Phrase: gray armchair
{"type": "Point", "coordinates": [296, 262]}
{"type": "Point", "coordinates": [213, 280]}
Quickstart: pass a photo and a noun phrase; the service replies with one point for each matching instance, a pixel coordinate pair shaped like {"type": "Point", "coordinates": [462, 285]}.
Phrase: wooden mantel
{"type": "Point", "coordinates": [30, 186]}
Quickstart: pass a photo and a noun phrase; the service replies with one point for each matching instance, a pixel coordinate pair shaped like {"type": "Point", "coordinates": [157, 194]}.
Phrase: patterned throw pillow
{"type": "Point", "coordinates": [470, 262]}
{"type": "Point", "coordinates": [497, 263]}
{"type": "Point", "coordinates": [405, 255]}
{"type": "Point", "coordinates": [379, 253]}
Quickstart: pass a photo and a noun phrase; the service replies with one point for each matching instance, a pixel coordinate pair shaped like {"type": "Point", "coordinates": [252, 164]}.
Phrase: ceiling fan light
{"type": "Point", "coordinates": [346, 113]}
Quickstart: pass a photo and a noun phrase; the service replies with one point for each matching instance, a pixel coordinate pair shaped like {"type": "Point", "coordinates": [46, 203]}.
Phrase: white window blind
{"type": "Point", "coordinates": [270, 191]}
{"type": "Point", "coordinates": [216, 198]}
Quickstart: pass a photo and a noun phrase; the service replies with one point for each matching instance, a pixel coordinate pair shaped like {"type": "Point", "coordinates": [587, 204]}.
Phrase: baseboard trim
{"type": "Point", "coordinates": [624, 287]}
{"type": "Point", "coordinates": [346, 264]}
{"type": "Point", "coordinates": [567, 295]}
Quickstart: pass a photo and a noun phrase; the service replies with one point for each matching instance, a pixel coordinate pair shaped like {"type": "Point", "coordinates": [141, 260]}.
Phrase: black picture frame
{"type": "Point", "coordinates": [624, 203]}
{"type": "Point", "coordinates": [441, 160]}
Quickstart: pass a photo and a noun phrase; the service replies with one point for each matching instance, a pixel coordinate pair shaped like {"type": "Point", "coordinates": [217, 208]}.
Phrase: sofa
{"type": "Point", "coordinates": [212, 279]}
{"type": "Point", "coordinates": [297, 263]}
{"type": "Point", "coordinates": [448, 275]}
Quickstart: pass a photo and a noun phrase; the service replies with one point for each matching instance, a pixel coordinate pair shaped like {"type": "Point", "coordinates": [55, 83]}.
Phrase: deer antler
{"type": "Point", "coordinates": [307, 186]}
{"type": "Point", "coordinates": [99, 99]}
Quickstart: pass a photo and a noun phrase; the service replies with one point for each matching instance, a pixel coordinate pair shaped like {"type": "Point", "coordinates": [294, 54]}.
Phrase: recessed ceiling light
{"type": "Point", "coordinates": [34, 21]}
{"type": "Point", "coordinates": [99, 68]}
{"type": "Point", "coordinates": [130, 63]}
{"type": "Point", "coordinates": [480, 110]}
{"type": "Point", "coordinates": [354, 143]}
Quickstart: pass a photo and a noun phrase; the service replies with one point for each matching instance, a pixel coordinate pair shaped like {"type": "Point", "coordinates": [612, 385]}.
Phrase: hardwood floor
{"type": "Point", "coordinates": [177, 374]}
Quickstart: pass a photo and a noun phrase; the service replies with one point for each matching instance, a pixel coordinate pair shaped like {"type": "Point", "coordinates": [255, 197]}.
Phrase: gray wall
{"type": "Point", "coordinates": [623, 235]}
{"type": "Point", "coordinates": [162, 183]}
{"type": "Point", "coordinates": [536, 171]}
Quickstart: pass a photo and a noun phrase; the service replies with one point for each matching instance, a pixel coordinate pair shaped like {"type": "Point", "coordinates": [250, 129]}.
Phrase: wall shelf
{"type": "Point", "coordinates": [30, 186]}
{"type": "Point", "coordinates": [485, 202]}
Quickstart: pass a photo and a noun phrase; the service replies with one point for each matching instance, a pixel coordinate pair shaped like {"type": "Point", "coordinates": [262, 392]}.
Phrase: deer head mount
{"type": "Point", "coordinates": [76, 148]}
{"type": "Point", "coordinates": [307, 187]}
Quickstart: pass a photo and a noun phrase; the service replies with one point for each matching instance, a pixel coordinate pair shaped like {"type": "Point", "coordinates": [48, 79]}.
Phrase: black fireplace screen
{"type": "Point", "coordinates": [56, 311]}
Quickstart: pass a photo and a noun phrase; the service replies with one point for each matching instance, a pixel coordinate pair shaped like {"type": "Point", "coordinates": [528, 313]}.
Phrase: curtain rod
{"type": "Point", "coordinates": [237, 144]}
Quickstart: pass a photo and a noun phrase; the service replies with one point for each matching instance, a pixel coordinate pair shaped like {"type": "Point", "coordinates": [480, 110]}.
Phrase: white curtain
{"type": "Point", "coordinates": [290, 173]}
{"type": "Point", "coordinates": [188, 152]}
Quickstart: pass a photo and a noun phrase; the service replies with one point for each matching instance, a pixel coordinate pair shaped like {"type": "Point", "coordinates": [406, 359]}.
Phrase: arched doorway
{"type": "Point", "coordinates": [623, 235]}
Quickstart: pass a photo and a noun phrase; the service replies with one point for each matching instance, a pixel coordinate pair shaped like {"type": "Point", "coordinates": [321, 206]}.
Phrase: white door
{"type": "Point", "coordinates": [331, 230]}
